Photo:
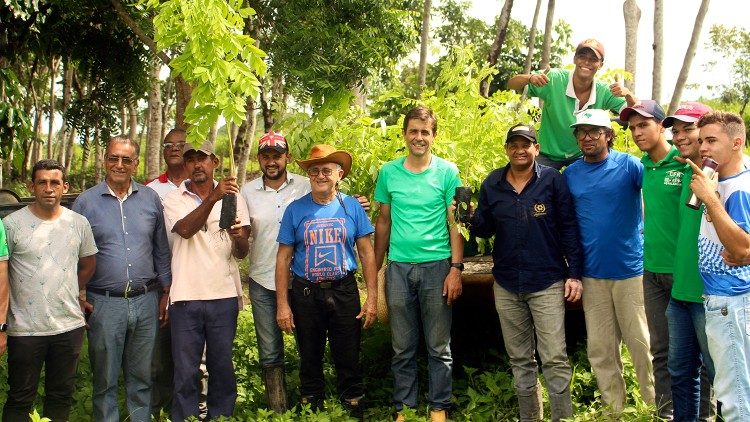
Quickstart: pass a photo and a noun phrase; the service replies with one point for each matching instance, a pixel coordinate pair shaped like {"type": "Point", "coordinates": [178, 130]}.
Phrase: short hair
{"type": "Point", "coordinates": [122, 139]}
{"type": "Point", "coordinates": [47, 165]}
{"type": "Point", "coordinates": [731, 123]}
{"type": "Point", "coordinates": [422, 113]}
{"type": "Point", "coordinates": [177, 130]}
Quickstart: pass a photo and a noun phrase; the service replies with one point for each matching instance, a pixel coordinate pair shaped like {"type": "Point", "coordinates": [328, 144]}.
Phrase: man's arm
{"type": "Point", "coordinates": [86, 268]}
{"type": "Point", "coordinates": [240, 243]}
{"type": "Point", "coordinates": [284, 317]}
{"type": "Point", "coordinates": [382, 234]}
{"type": "Point", "coordinates": [735, 240]}
{"type": "Point", "coordinates": [452, 287]}
{"type": "Point", "coordinates": [196, 219]}
{"type": "Point", "coordinates": [370, 273]}
{"type": "Point", "coordinates": [519, 82]}
{"type": "Point", "coordinates": [4, 299]}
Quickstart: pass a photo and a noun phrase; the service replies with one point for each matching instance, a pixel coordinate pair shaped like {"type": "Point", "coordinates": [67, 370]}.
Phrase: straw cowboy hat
{"type": "Point", "coordinates": [327, 154]}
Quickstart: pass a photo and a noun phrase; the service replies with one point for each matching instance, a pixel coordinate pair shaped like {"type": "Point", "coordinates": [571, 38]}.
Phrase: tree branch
{"type": "Point", "coordinates": [130, 23]}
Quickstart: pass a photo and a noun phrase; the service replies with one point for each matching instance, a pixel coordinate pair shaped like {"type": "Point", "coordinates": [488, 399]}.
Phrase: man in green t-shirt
{"type": "Point", "coordinates": [661, 195]}
{"type": "Point", "coordinates": [566, 93]}
{"type": "Point", "coordinates": [425, 254]}
{"type": "Point", "coordinates": [690, 365]}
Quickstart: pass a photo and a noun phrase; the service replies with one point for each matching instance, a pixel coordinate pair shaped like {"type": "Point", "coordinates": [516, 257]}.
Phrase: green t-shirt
{"type": "Point", "coordinates": [687, 283]}
{"type": "Point", "coordinates": [662, 184]}
{"type": "Point", "coordinates": [560, 103]}
{"type": "Point", "coordinates": [3, 243]}
{"type": "Point", "coordinates": [419, 204]}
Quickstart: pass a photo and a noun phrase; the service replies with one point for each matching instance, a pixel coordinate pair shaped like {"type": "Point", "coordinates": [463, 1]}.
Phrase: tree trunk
{"type": "Point", "coordinates": [532, 38]}
{"type": "Point", "coordinates": [497, 45]}
{"type": "Point", "coordinates": [243, 141]}
{"type": "Point", "coordinates": [266, 109]}
{"type": "Point", "coordinates": [54, 62]}
{"type": "Point", "coordinates": [689, 54]}
{"type": "Point", "coordinates": [153, 141]}
{"type": "Point", "coordinates": [132, 119]}
{"type": "Point", "coordinates": [632, 14]}
{"type": "Point", "coordinates": [183, 90]}
{"type": "Point", "coordinates": [424, 44]}
{"type": "Point", "coordinates": [360, 95]}
{"type": "Point", "coordinates": [548, 29]}
{"type": "Point", "coordinates": [123, 119]}
{"type": "Point", "coordinates": [213, 133]}
{"type": "Point", "coordinates": [67, 91]}
{"type": "Point", "coordinates": [658, 50]}
{"type": "Point", "coordinates": [97, 156]}
{"type": "Point", "coordinates": [37, 139]}
{"type": "Point", "coordinates": [85, 152]}
{"type": "Point", "coordinates": [70, 150]}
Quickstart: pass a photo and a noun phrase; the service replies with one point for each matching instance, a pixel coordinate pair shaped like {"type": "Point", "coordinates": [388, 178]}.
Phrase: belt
{"type": "Point", "coordinates": [135, 292]}
{"type": "Point", "coordinates": [328, 284]}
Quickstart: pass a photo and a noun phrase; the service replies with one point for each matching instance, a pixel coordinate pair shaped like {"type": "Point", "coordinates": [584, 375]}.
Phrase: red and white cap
{"type": "Point", "coordinates": [688, 112]}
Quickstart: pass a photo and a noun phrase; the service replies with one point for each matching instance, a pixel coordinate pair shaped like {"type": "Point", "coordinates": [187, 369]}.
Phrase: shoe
{"type": "Point", "coordinates": [438, 415]}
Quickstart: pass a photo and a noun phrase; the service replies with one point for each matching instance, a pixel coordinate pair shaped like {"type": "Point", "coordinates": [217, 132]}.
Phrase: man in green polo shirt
{"type": "Point", "coordinates": [662, 177]}
{"type": "Point", "coordinates": [690, 365]}
{"type": "Point", "coordinates": [566, 93]}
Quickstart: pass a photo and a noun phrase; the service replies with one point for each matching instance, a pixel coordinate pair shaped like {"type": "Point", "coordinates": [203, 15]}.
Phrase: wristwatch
{"type": "Point", "coordinates": [459, 265]}
{"type": "Point", "coordinates": [3, 327]}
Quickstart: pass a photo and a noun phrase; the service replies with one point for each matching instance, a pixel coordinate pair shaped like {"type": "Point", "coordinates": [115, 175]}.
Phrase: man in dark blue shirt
{"type": "Point", "coordinates": [537, 266]}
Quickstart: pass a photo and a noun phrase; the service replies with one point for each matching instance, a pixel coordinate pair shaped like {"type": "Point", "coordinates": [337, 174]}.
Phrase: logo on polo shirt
{"type": "Point", "coordinates": [673, 178]}
{"type": "Point", "coordinates": [540, 210]}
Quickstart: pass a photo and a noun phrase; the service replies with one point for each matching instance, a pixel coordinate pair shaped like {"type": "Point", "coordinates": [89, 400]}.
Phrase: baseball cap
{"type": "Point", "coordinates": [688, 111]}
{"type": "Point", "coordinates": [593, 117]}
{"type": "Point", "coordinates": [524, 131]}
{"type": "Point", "coordinates": [274, 141]}
{"type": "Point", "coordinates": [206, 148]}
{"type": "Point", "coordinates": [593, 45]}
{"type": "Point", "coordinates": [646, 108]}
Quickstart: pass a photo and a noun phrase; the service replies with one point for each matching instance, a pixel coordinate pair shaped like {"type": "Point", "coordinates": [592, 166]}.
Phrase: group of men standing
{"type": "Point", "coordinates": [669, 281]}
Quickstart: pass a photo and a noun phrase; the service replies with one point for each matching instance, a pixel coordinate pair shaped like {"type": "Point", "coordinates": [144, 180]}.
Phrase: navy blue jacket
{"type": "Point", "coordinates": [536, 232]}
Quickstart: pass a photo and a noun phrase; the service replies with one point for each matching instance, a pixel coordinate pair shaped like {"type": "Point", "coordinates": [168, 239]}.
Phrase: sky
{"type": "Point", "coordinates": [603, 20]}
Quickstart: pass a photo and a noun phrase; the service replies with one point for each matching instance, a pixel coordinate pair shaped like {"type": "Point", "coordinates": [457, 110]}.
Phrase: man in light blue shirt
{"type": "Point", "coordinates": [133, 264]}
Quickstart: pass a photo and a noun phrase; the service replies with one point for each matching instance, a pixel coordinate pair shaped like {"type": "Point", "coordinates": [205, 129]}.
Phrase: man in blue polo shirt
{"type": "Point", "coordinates": [537, 266]}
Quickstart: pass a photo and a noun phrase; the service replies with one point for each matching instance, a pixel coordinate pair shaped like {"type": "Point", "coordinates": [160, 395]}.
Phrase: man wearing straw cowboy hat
{"type": "Point", "coordinates": [425, 261]}
{"type": "Point", "coordinates": [317, 237]}
{"type": "Point", "coordinates": [206, 284]}
{"type": "Point", "coordinates": [267, 198]}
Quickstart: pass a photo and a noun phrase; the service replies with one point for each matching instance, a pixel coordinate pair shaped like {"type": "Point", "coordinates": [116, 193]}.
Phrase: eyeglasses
{"type": "Point", "coordinates": [177, 145]}
{"type": "Point", "coordinates": [114, 159]}
{"type": "Point", "coordinates": [315, 172]}
{"type": "Point", "coordinates": [594, 134]}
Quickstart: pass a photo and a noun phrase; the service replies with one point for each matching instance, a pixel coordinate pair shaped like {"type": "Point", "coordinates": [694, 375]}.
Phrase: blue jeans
{"type": "Point", "coordinates": [121, 335]}
{"type": "Point", "coordinates": [415, 293]}
{"type": "Point", "coordinates": [688, 352]}
{"type": "Point", "coordinates": [270, 340]}
{"type": "Point", "coordinates": [197, 324]}
{"type": "Point", "coordinates": [728, 332]}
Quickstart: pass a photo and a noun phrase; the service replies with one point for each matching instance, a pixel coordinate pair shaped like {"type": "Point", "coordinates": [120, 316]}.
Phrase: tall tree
{"type": "Point", "coordinates": [632, 14]}
{"type": "Point", "coordinates": [689, 55]}
{"type": "Point", "coordinates": [658, 50]}
{"type": "Point", "coordinates": [548, 23]}
{"type": "Point", "coordinates": [153, 140]}
{"type": "Point", "coordinates": [424, 44]}
{"type": "Point", "coordinates": [532, 38]}
{"type": "Point", "coordinates": [497, 44]}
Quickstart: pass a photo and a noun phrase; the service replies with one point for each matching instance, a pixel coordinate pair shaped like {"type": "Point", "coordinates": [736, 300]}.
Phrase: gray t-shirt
{"type": "Point", "coordinates": [43, 271]}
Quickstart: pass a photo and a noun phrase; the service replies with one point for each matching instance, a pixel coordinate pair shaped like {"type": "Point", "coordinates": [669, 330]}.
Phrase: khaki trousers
{"type": "Point", "coordinates": [615, 312]}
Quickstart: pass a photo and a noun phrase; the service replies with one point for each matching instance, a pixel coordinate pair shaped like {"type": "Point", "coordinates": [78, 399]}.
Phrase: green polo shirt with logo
{"type": "Point", "coordinates": [662, 186]}
{"type": "Point", "coordinates": [555, 136]}
{"type": "Point", "coordinates": [687, 284]}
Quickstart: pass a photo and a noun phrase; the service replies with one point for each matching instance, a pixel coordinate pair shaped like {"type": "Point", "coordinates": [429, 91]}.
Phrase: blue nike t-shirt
{"type": "Point", "coordinates": [323, 236]}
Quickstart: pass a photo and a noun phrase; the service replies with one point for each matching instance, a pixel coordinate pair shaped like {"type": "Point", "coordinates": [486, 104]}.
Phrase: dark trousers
{"type": "Point", "coordinates": [328, 312]}
{"type": "Point", "coordinates": [162, 372]}
{"type": "Point", "coordinates": [26, 356]}
{"type": "Point", "coordinates": [195, 324]}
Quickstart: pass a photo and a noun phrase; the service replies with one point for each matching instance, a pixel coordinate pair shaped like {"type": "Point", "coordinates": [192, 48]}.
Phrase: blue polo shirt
{"type": "Point", "coordinates": [130, 235]}
{"type": "Point", "coordinates": [535, 230]}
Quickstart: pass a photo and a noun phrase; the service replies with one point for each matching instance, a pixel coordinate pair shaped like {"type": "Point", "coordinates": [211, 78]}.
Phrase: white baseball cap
{"type": "Point", "coordinates": [592, 117]}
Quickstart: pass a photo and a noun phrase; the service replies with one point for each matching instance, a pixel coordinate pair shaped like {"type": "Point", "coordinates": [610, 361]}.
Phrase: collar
{"type": "Point", "coordinates": [104, 189]}
{"type": "Point", "coordinates": [163, 178]}
{"type": "Point", "coordinates": [290, 178]}
{"type": "Point", "coordinates": [506, 169]}
{"type": "Point", "coordinates": [571, 92]}
{"type": "Point", "coordinates": [185, 191]}
{"type": "Point", "coordinates": [669, 158]}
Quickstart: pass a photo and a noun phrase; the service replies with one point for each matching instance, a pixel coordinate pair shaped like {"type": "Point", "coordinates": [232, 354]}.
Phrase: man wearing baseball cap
{"type": "Point", "coordinates": [538, 261]}
{"type": "Point", "coordinates": [606, 188]}
{"type": "Point", "coordinates": [662, 180]}
{"type": "Point", "coordinates": [206, 292]}
{"type": "Point", "coordinates": [690, 365]}
{"type": "Point", "coordinates": [566, 93]}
